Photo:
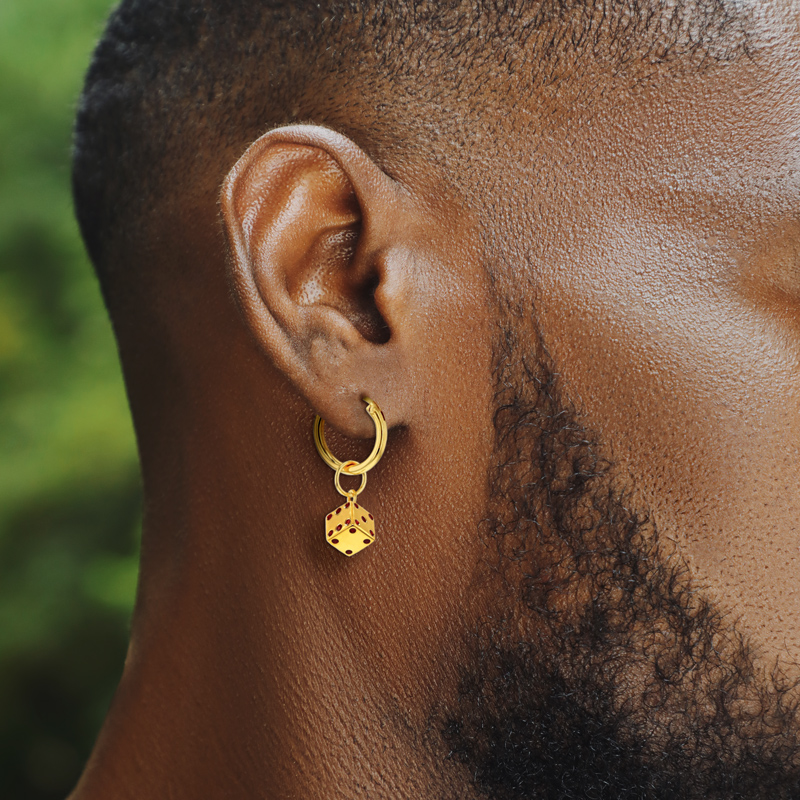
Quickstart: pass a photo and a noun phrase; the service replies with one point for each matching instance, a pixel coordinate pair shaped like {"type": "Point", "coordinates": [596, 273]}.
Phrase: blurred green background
{"type": "Point", "coordinates": [69, 486]}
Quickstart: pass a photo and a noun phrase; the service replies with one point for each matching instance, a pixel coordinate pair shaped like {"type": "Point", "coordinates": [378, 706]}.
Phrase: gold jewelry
{"type": "Point", "coordinates": [351, 528]}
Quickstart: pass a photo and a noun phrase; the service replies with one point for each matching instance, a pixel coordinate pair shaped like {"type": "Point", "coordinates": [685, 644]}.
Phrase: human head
{"type": "Point", "coordinates": [507, 216]}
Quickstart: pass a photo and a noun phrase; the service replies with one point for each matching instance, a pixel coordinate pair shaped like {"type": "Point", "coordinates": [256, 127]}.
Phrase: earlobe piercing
{"type": "Point", "coordinates": [351, 528]}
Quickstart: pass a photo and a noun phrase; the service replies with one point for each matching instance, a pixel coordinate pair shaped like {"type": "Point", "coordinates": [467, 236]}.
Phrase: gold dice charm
{"type": "Point", "coordinates": [350, 528]}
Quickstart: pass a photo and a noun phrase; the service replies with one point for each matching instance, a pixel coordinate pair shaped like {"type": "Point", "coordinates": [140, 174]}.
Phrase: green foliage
{"type": "Point", "coordinates": [69, 486]}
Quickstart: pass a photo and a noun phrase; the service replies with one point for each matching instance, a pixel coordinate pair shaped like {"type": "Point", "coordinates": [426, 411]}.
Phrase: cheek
{"type": "Point", "coordinates": [694, 390]}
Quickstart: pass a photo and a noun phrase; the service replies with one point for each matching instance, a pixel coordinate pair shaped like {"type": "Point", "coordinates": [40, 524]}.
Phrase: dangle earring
{"type": "Point", "coordinates": [351, 528]}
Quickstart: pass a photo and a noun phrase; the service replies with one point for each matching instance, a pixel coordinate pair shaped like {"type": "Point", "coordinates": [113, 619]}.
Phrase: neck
{"type": "Point", "coordinates": [263, 663]}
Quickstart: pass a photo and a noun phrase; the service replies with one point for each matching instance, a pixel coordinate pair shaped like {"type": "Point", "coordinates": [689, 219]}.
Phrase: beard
{"type": "Point", "coordinates": [601, 671]}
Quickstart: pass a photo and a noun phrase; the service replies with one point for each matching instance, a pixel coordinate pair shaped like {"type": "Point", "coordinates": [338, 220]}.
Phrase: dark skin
{"type": "Point", "coordinates": [662, 264]}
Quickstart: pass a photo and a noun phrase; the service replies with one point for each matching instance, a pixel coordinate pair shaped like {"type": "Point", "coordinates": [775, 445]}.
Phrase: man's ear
{"type": "Point", "coordinates": [321, 269]}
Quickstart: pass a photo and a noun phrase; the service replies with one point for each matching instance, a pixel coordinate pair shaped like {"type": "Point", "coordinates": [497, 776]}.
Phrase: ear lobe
{"type": "Point", "coordinates": [303, 211]}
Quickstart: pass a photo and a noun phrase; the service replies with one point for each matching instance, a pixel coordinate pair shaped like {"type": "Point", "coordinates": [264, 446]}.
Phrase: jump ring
{"type": "Point", "coordinates": [338, 485]}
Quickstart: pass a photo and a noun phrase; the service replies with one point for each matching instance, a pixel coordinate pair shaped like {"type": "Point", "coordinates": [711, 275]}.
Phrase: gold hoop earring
{"type": "Point", "coordinates": [351, 528]}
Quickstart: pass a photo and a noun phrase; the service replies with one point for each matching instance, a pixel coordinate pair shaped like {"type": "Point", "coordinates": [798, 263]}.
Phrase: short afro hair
{"type": "Point", "coordinates": [219, 73]}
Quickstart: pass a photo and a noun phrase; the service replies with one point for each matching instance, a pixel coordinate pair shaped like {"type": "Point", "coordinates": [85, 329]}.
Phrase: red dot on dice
{"type": "Point", "coordinates": [334, 541]}
{"type": "Point", "coordinates": [352, 530]}
{"type": "Point", "coordinates": [366, 541]}
{"type": "Point", "coordinates": [338, 527]}
{"type": "Point", "coordinates": [347, 522]}
{"type": "Point", "coordinates": [355, 504]}
{"type": "Point", "coordinates": [370, 516]}
{"type": "Point", "coordinates": [338, 510]}
{"type": "Point", "coordinates": [349, 552]}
